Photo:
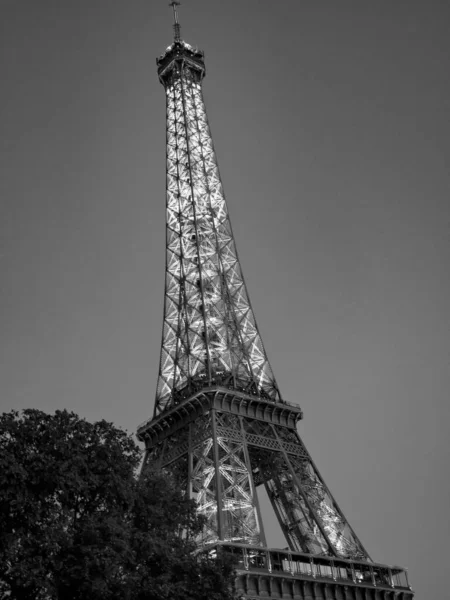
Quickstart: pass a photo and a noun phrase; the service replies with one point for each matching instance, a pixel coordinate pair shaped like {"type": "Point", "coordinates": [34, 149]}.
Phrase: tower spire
{"type": "Point", "coordinates": [176, 24]}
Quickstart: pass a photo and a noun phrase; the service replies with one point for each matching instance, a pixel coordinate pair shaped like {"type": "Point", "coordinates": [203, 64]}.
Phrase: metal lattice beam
{"type": "Point", "coordinates": [210, 331]}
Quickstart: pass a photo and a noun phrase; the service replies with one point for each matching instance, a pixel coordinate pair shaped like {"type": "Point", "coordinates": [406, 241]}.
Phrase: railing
{"type": "Point", "coordinates": [201, 384]}
{"type": "Point", "coordinates": [253, 558]}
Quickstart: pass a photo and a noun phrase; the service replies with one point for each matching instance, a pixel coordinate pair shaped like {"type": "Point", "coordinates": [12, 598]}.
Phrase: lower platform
{"type": "Point", "coordinates": [275, 574]}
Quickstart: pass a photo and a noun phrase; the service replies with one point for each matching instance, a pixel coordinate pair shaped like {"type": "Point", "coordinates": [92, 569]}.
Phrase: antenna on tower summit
{"type": "Point", "coordinates": [176, 25]}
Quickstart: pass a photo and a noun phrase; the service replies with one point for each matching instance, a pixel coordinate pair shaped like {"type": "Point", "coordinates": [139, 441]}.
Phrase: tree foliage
{"type": "Point", "coordinates": [76, 524]}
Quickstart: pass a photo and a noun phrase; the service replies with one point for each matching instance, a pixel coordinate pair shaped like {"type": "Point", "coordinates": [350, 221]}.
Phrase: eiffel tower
{"type": "Point", "coordinates": [220, 424]}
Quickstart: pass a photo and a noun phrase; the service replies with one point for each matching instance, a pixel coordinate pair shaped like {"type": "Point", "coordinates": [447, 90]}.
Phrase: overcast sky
{"type": "Point", "coordinates": [331, 122]}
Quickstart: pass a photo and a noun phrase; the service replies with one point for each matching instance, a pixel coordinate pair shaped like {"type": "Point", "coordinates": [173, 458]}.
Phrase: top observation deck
{"type": "Point", "coordinates": [179, 54]}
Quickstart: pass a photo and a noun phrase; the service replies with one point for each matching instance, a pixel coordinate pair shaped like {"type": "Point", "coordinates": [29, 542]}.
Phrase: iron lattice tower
{"type": "Point", "coordinates": [220, 425]}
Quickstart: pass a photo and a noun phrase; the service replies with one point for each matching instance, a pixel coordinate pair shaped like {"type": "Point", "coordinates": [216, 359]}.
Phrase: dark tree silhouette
{"type": "Point", "coordinates": [76, 523]}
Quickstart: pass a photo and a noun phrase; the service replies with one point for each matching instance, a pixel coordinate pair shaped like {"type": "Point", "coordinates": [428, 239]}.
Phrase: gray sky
{"type": "Point", "coordinates": [331, 122]}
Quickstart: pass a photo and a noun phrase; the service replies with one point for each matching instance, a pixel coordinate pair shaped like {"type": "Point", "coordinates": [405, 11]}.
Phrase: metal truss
{"type": "Point", "coordinates": [210, 333]}
{"type": "Point", "coordinates": [214, 468]}
{"type": "Point", "coordinates": [220, 426]}
{"type": "Point", "coordinates": [221, 458]}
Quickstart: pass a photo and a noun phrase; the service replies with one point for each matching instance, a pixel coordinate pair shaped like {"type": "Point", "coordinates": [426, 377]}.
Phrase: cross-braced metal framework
{"type": "Point", "coordinates": [210, 332]}
{"type": "Point", "coordinates": [220, 426]}
{"type": "Point", "coordinates": [220, 445]}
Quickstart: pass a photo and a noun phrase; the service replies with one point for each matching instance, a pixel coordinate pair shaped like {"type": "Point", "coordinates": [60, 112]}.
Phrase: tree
{"type": "Point", "coordinates": [76, 524]}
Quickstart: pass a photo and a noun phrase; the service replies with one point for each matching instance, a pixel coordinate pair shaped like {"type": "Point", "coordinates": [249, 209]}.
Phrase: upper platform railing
{"type": "Point", "coordinates": [246, 392]}
{"type": "Point", "coordinates": [269, 560]}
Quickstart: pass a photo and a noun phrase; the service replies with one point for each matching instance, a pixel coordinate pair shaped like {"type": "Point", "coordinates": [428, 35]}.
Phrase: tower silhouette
{"type": "Point", "coordinates": [220, 425]}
